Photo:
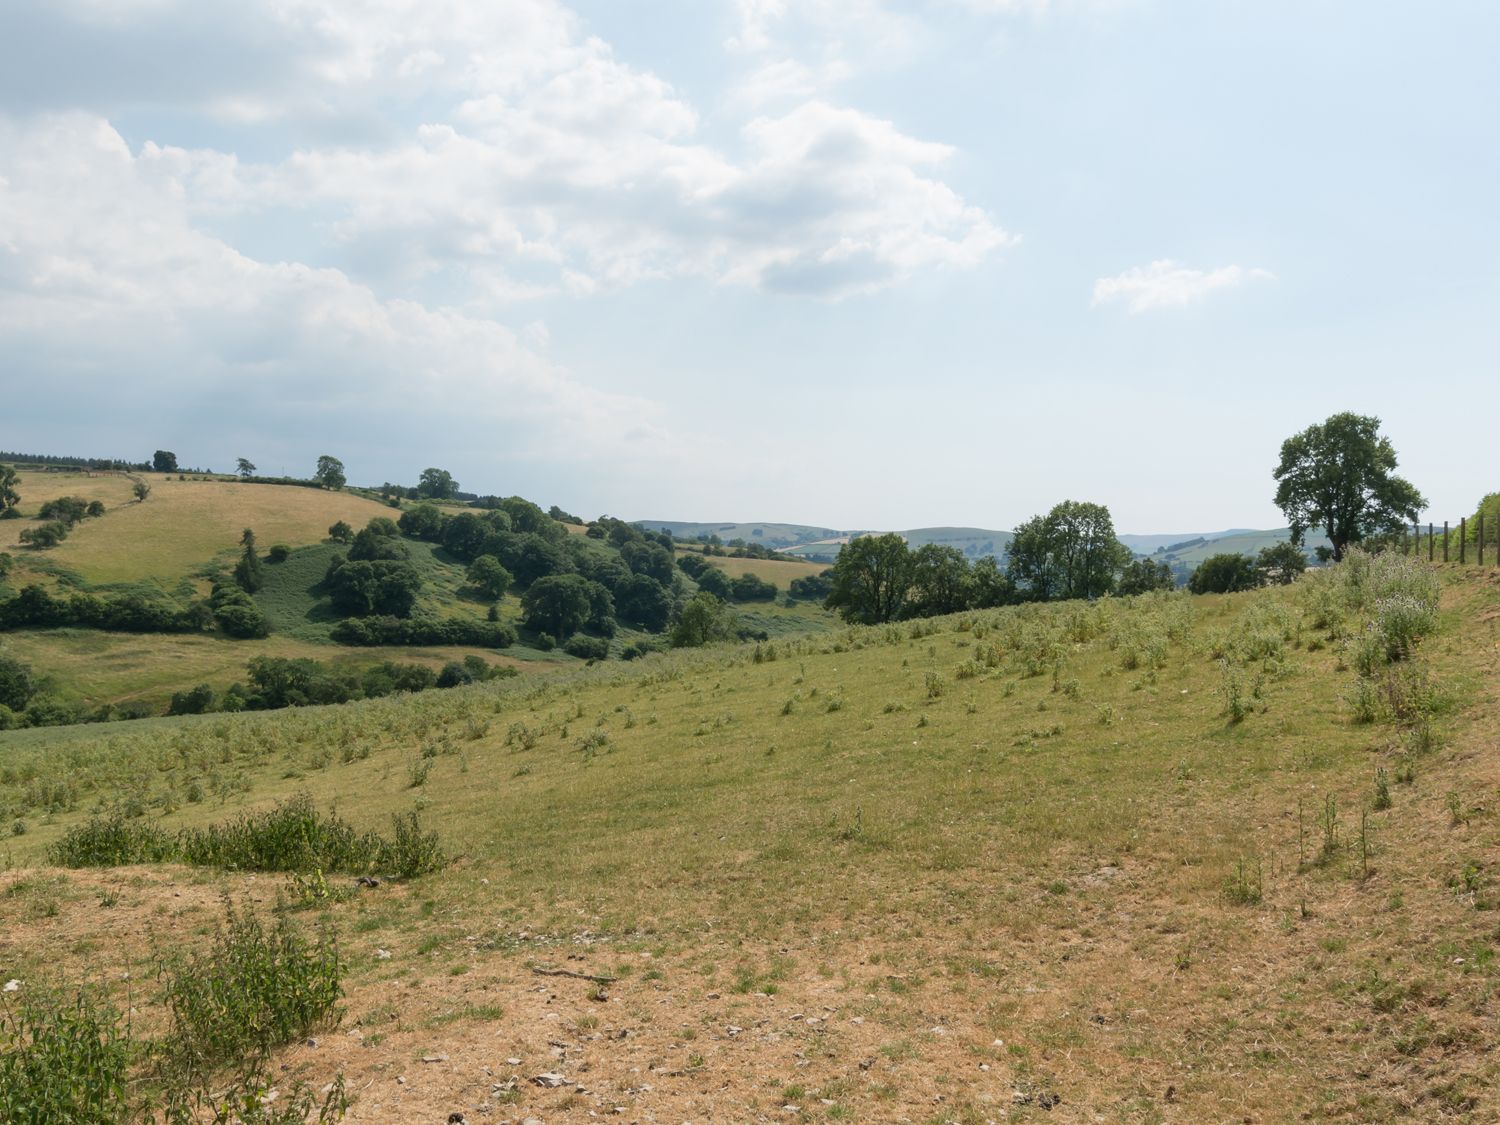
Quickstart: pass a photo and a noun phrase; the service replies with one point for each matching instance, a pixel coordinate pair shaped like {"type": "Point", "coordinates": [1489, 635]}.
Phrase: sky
{"type": "Point", "coordinates": [850, 263]}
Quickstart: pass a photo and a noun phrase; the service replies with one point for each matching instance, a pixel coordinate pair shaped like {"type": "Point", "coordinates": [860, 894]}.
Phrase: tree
{"type": "Point", "coordinates": [939, 581]}
{"type": "Point", "coordinates": [17, 683]}
{"type": "Point", "coordinates": [1489, 510]}
{"type": "Point", "coordinates": [1279, 565]}
{"type": "Point", "coordinates": [870, 579]}
{"type": "Point", "coordinates": [1224, 574]}
{"type": "Point", "coordinates": [558, 604]}
{"type": "Point", "coordinates": [642, 600]}
{"type": "Point", "coordinates": [341, 532]}
{"type": "Point", "coordinates": [247, 572]}
{"type": "Point", "coordinates": [1071, 552]}
{"type": "Point", "coordinates": [436, 484]}
{"type": "Point", "coordinates": [1141, 576]}
{"type": "Point", "coordinates": [46, 536]}
{"type": "Point", "coordinates": [703, 620]}
{"type": "Point", "coordinates": [1340, 476]}
{"type": "Point", "coordinates": [387, 587]}
{"type": "Point", "coordinates": [9, 497]}
{"type": "Point", "coordinates": [989, 586]}
{"type": "Point", "coordinates": [245, 468]}
{"type": "Point", "coordinates": [164, 461]}
{"type": "Point", "coordinates": [489, 577]}
{"type": "Point", "coordinates": [425, 521]}
{"type": "Point", "coordinates": [330, 472]}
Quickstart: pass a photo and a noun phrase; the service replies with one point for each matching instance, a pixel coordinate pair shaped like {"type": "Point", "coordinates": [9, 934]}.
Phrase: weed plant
{"type": "Point", "coordinates": [252, 991]}
{"type": "Point", "coordinates": [293, 836]}
{"type": "Point", "coordinates": [62, 1060]}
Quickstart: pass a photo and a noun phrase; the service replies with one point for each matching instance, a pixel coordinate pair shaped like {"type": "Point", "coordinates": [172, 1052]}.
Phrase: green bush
{"type": "Point", "coordinates": [279, 553]}
{"type": "Point", "coordinates": [112, 841]}
{"type": "Point", "coordinates": [252, 991]}
{"type": "Point", "coordinates": [587, 648]}
{"type": "Point", "coordinates": [292, 836]}
{"type": "Point", "coordinates": [62, 1061]}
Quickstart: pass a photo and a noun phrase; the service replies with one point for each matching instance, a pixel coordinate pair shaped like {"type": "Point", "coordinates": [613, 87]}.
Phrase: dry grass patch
{"type": "Point", "coordinates": [184, 524]}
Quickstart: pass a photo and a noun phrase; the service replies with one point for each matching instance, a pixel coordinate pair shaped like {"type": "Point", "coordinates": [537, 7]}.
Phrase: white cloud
{"type": "Point", "coordinates": [1168, 284]}
{"type": "Point", "coordinates": [106, 284]}
{"type": "Point", "coordinates": [541, 163]}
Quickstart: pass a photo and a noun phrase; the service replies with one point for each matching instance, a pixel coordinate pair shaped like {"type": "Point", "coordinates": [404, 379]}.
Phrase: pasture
{"type": "Point", "coordinates": [1126, 861]}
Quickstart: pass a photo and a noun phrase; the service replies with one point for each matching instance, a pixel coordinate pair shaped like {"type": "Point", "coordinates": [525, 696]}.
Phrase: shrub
{"type": "Point", "coordinates": [254, 990]}
{"type": "Point", "coordinates": [62, 1062]}
{"type": "Point", "coordinates": [587, 648]}
{"type": "Point", "coordinates": [193, 702]}
{"type": "Point", "coordinates": [112, 842]}
{"type": "Point", "coordinates": [278, 553]}
{"type": "Point", "coordinates": [454, 674]}
{"type": "Point", "coordinates": [423, 631]}
{"type": "Point", "coordinates": [46, 536]}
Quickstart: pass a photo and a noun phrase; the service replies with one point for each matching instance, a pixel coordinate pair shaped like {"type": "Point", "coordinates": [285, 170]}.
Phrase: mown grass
{"type": "Point", "coordinates": [1059, 826]}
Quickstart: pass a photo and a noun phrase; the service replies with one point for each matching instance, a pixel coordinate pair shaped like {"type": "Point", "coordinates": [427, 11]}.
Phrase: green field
{"type": "Point", "coordinates": [1126, 854]}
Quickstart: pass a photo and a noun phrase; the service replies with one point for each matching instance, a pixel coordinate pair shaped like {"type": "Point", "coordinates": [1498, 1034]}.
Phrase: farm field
{"type": "Point", "coordinates": [181, 526]}
{"type": "Point", "coordinates": [1120, 862]}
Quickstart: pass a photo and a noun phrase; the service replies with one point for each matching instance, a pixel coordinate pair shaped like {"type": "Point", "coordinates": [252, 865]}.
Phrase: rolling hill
{"type": "Point", "coordinates": [1146, 860]}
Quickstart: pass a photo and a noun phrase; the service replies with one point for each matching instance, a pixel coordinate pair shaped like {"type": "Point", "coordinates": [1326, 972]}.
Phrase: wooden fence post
{"type": "Point", "coordinates": [1416, 538]}
{"type": "Point", "coordinates": [1463, 545]}
{"type": "Point", "coordinates": [1429, 541]}
{"type": "Point", "coordinates": [1481, 538]}
{"type": "Point", "coordinates": [1445, 540]}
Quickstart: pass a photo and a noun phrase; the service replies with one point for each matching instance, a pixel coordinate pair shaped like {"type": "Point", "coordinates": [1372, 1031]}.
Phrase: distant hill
{"type": "Point", "coordinates": [1183, 551]}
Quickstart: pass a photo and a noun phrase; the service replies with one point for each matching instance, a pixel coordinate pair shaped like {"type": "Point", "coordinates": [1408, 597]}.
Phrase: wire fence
{"type": "Point", "coordinates": [1457, 544]}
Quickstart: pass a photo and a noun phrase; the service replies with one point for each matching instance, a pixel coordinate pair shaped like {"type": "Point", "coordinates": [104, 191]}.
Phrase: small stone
{"type": "Point", "coordinates": [984, 1066]}
{"type": "Point", "coordinates": [312, 1042]}
{"type": "Point", "coordinates": [382, 955]}
{"type": "Point", "coordinates": [11, 986]}
{"type": "Point", "coordinates": [455, 1119]}
{"type": "Point", "coordinates": [866, 1064]}
{"type": "Point", "coordinates": [400, 1080]}
{"type": "Point", "coordinates": [434, 1058]}
{"type": "Point", "coordinates": [512, 1062]}
{"type": "Point", "coordinates": [712, 996]}
{"type": "Point", "coordinates": [550, 1080]}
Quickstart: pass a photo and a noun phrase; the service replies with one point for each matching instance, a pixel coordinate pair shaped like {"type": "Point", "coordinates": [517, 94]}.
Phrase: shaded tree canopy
{"type": "Point", "coordinates": [1141, 576]}
{"type": "Point", "coordinates": [436, 484]}
{"type": "Point", "coordinates": [330, 472]}
{"type": "Point", "coordinates": [164, 461]}
{"type": "Point", "coordinates": [1071, 552]}
{"type": "Point", "coordinates": [1340, 476]}
{"type": "Point", "coordinates": [1224, 574]}
{"type": "Point", "coordinates": [870, 579]}
{"type": "Point", "coordinates": [704, 619]}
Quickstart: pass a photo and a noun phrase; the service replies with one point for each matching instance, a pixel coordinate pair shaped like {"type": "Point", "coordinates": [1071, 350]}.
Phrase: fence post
{"type": "Point", "coordinates": [1445, 540]}
{"type": "Point", "coordinates": [1429, 541]}
{"type": "Point", "coordinates": [1463, 546]}
{"type": "Point", "coordinates": [1416, 538]}
{"type": "Point", "coordinates": [1481, 538]}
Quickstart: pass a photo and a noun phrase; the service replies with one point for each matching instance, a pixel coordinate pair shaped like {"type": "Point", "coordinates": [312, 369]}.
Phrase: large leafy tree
{"type": "Point", "coordinates": [164, 461]}
{"type": "Point", "coordinates": [1225, 574]}
{"type": "Point", "coordinates": [1071, 552]}
{"type": "Point", "coordinates": [436, 484]}
{"type": "Point", "coordinates": [559, 604]}
{"type": "Point", "coordinates": [330, 472]}
{"type": "Point", "coordinates": [1341, 476]}
{"type": "Point", "coordinates": [870, 579]}
{"type": "Point", "coordinates": [939, 581]}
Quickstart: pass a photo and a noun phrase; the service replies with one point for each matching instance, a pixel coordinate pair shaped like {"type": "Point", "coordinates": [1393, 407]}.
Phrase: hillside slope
{"type": "Point", "coordinates": [1123, 861]}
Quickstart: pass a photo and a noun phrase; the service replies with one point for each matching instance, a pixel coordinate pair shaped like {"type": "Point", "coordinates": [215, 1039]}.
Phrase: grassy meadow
{"type": "Point", "coordinates": [181, 526]}
{"type": "Point", "coordinates": [1165, 859]}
